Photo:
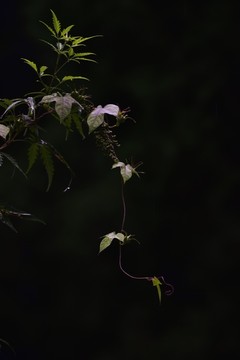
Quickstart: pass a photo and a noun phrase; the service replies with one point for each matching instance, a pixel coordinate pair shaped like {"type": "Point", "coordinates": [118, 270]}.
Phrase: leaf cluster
{"type": "Point", "coordinates": [21, 118]}
{"type": "Point", "coordinates": [59, 99]}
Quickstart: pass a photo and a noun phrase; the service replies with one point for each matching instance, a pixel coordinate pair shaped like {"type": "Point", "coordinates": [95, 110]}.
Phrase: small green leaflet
{"type": "Point", "coordinates": [96, 117]}
{"type": "Point", "coordinates": [42, 70]}
{"type": "Point", "coordinates": [65, 32]}
{"type": "Point", "coordinates": [34, 66]}
{"type": "Point", "coordinates": [4, 130]}
{"type": "Point", "coordinates": [125, 170]}
{"type": "Point", "coordinates": [107, 240]}
{"type": "Point", "coordinates": [56, 22]}
{"type": "Point", "coordinates": [156, 282]}
{"type": "Point", "coordinates": [31, 64]}
{"type": "Point", "coordinates": [71, 78]}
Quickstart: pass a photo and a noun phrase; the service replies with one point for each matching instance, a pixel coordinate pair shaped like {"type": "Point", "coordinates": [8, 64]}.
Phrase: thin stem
{"type": "Point", "coordinates": [122, 230]}
{"type": "Point", "coordinates": [124, 205]}
{"type": "Point", "coordinates": [125, 272]}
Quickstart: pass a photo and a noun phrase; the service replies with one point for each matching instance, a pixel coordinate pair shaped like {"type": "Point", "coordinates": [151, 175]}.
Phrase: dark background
{"type": "Point", "coordinates": [176, 65]}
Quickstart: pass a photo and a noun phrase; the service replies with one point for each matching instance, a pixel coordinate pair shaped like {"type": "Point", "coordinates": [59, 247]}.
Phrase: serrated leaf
{"type": "Point", "coordinates": [31, 64]}
{"type": "Point", "coordinates": [78, 123]}
{"type": "Point", "coordinates": [47, 159]}
{"type": "Point", "coordinates": [4, 130]}
{"type": "Point", "coordinates": [5, 103]}
{"type": "Point", "coordinates": [83, 56]}
{"type": "Point", "coordinates": [71, 78]}
{"type": "Point", "coordinates": [56, 22]}
{"type": "Point", "coordinates": [33, 152]}
{"type": "Point", "coordinates": [51, 45]}
{"type": "Point", "coordinates": [66, 31]}
{"type": "Point", "coordinates": [13, 162]}
{"type": "Point", "coordinates": [79, 39]}
{"type": "Point", "coordinates": [48, 27]}
{"type": "Point", "coordinates": [6, 214]}
{"type": "Point", "coordinates": [156, 282]}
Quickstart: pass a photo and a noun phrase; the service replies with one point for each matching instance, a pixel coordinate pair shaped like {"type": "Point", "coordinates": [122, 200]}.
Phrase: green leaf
{"type": "Point", "coordinates": [56, 153]}
{"type": "Point", "coordinates": [13, 105]}
{"type": "Point", "coordinates": [56, 22]}
{"type": "Point", "coordinates": [31, 64]}
{"type": "Point", "coordinates": [51, 45]}
{"type": "Point", "coordinates": [13, 162]}
{"type": "Point", "coordinates": [6, 214]}
{"type": "Point", "coordinates": [4, 130]}
{"type": "Point", "coordinates": [70, 52]}
{"type": "Point", "coordinates": [70, 78]}
{"type": "Point", "coordinates": [107, 240]}
{"type": "Point", "coordinates": [42, 70]}
{"type": "Point", "coordinates": [46, 155]}
{"type": "Point", "coordinates": [66, 31]}
{"type": "Point", "coordinates": [78, 123]}
{"type": "Point", "coordinates": [83, 56]}
{"type": "Point", "coordinates": [48, 27]}
{"type": "Point", "coordinates": [5, 103]}
{"type": "Point", "coordinates": [156, 282]}
{"type": "Point", "coordinates": [79, 39]}
{"type": "Point", "coordinates": [33, 152]}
